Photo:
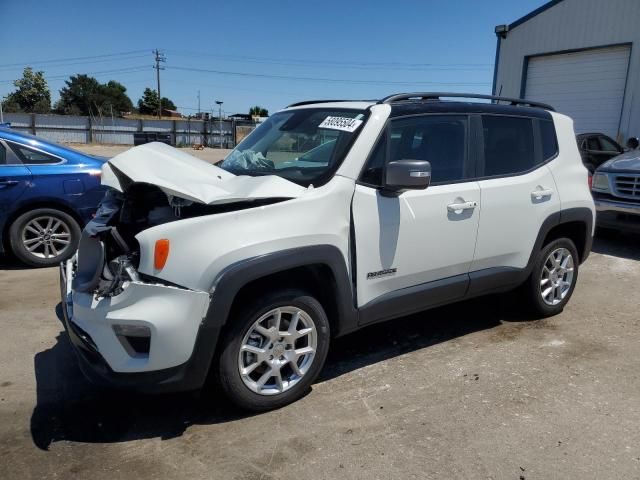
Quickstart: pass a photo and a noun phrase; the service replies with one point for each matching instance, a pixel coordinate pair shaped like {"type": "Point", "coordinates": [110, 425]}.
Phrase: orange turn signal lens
{"type": "Point", "coordinates": [161, 253]}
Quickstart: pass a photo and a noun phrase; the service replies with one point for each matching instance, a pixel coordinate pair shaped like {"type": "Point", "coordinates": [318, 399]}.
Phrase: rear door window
{"type": "Point", "coordinates": [593, 144]}
{"type": "Point", "coordinates": [7, 157]}
{"type": "Point", "coordinates": [607, 145]}
{"type": "Point", "coordinates": [33, 157]}
{"type": "Point", "coordinates": [508, 145]}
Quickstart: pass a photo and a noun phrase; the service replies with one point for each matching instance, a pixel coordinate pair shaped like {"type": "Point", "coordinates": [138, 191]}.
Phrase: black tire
{"type": "Point", "coordinates": [532, 287]}
{"type": "Point", "coordinates": [228, 370]}
{"type": "Point", "coordinates": [67, 225]}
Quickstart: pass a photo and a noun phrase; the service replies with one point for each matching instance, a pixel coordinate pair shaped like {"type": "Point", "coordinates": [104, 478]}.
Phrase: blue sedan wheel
{"type": "Point", "coordinates": [44, 237]}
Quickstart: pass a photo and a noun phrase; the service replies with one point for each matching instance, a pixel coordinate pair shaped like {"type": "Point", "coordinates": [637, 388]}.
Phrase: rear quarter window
{"type": "Point", "coordinates": [548, 139]}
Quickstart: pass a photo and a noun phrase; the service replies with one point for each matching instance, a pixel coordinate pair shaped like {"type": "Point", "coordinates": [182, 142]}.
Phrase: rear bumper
{"type": "Point", "coordinates": [617, 214]}
{"type": "Point", "coordinates": [104, 360]}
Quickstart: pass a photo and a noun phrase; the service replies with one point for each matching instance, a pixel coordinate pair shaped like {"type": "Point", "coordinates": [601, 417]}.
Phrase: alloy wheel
{"type": "Point", "coordinates": [46, 237]}
{"type": "Point", "coordinates": [557, 276]}
{"type": "Point", "coordinates": [277, 350]}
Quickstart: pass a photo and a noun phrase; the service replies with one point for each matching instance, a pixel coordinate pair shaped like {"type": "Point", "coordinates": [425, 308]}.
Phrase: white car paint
{"type": "Point", "coordinates": [515, 207]}
{"type": "Point", "coordinates": [180, 174]}
{"type": "Point", "coordinates": [419, 233]}
{"type": "Point", "coordinates": [415, 232]}
{"type": "Point", "coordinates": [320, 217]}
{"type": "Point", "coordinates": [572, 178]}
{"type": "Point", "coordinates": [172, 314]}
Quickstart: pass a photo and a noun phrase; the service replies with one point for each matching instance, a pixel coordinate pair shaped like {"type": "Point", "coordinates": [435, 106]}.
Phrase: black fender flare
{"type": "Point", "coordinates": [229, 282]}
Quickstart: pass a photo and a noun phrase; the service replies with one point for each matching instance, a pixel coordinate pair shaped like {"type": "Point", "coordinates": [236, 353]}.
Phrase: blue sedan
{"type": "Point", "coordinates": [47, 194]}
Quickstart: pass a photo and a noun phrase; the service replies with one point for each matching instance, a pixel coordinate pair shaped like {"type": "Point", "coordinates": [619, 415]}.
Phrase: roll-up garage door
{"type": "Point", "coordinates": [588, 86]}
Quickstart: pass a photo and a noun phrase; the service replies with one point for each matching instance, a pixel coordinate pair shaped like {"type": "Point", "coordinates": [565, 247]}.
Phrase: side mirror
{"type": "Point", "coordinates": [633, 143]}
{"type": "Point", "coordinates": [401, 175]}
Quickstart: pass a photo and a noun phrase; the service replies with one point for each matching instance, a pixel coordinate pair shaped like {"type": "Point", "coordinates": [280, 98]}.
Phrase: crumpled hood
{"type": "Point", "coordinates": [627, 161]}
{"type": "Point", "coordinates": [182, 175]}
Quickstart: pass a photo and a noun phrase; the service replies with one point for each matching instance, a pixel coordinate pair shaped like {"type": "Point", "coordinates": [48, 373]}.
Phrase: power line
{"type": "Point", "coordinates": [84, 62]}
{"type": "Point", "coordinates": [320, 79]}
{"type": "Point", "coordinates": [343, 64]}
{"type": "Point", "coordinates": [103, 72]}
{"type": "Point", "coordinates": [92, 57]}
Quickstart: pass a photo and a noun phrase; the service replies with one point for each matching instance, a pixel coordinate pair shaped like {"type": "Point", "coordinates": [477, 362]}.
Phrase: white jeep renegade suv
{"type": "Point", "coordinates": [330, 216]}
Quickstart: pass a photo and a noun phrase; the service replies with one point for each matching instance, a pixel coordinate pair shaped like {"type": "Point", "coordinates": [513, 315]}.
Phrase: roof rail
{"type": "Point", "coordinates": [309, 102]}
{"type": "Point", "coordinates": [438, 95]}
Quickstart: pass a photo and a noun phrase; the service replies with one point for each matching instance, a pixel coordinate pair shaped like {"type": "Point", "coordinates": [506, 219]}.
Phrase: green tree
{"type": "Point", "coordinates": [84, 95]}
{"type": "Point", "coordinates": [168, 104]}
{"type": "Point", "coordinates": [114, 95]}
{"type": "Point", "coordinates": [148, 104]}
{"type": "Point", "coordinates": [32, 93]}
{"type": "Point", "coordinates": [258, 111]}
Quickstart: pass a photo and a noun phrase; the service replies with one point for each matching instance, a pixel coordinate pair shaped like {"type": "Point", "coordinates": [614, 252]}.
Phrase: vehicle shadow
{"type": "Point", "coordinates": [70, 408]}
{"type": "Point", "coordinates": [8, 262]}
{"type": "Point", "coordinates": [618, 244]}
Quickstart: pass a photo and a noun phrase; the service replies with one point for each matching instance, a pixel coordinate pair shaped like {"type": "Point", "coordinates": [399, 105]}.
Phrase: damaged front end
{"type": "Point", "coordinates": [124, 320]}
{"type": "Point", "coordinates": [152, 185]}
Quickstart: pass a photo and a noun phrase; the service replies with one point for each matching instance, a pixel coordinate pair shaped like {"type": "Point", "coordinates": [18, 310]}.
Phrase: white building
{"type": "Point", "coordinates": [580, 56]}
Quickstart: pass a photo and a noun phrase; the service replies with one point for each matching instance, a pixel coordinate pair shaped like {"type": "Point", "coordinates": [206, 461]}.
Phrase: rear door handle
{"type": "Point", "coordinates": [459, 207]}
{"type": "Point", "coordinates": [540, 192]}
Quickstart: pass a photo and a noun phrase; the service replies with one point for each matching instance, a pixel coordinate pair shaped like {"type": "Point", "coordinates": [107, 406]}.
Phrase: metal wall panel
{"type": "Point", "coordinates": [157, 126]}
{"type": "Point", "coordinates": [571, 25]}
{"type": "Point", "coordinates": [62, 121]}
{"type": "Point", "coordinates": [18, 119]}
{"type": "Point", "coordinates": [64, 136]}
{"type": "Point", "coordinates": [118, 131]}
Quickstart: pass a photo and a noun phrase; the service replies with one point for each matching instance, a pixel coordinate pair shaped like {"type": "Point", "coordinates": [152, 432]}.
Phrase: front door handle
{"type": "Point", "coordinates": [540, 192]}
{"type": "Point", "coordinates": [8, 183]}
{"type": "Point", "coordinates": [460, 207]}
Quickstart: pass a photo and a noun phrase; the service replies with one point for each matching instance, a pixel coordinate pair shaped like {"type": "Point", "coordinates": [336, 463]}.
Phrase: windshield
{"type": "Point", "coordinates": [305, 146]}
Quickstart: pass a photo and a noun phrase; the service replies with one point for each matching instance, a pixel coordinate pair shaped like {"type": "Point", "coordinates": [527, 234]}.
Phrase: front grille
{"type": "Point", "coordinates": [628, 186]}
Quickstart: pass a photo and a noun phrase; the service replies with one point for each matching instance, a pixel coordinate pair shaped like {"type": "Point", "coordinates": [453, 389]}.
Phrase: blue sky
{"type": "Point", "coordinates": [327, 49]}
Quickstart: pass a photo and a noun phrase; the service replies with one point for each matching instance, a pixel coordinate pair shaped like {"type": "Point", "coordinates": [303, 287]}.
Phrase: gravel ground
{"type": "Point", "coordinates": [212, 155]}
{"type": "Point", "coordinates": [467, 391]}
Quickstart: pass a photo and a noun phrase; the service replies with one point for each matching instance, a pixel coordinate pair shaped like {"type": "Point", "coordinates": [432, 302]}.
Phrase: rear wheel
{"type": "Point", "coordinates": [274, 350]}
{"type": "Point", "coordinates": [553, 278]}
{"type": "Point", "coordinates": [44, 237]}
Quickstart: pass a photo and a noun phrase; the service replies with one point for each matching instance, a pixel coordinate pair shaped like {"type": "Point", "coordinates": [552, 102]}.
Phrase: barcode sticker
{"type": "Point", "coordinates": [345, 124]}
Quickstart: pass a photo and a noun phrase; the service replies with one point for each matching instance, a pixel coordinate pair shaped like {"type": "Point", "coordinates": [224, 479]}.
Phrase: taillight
{"type": "Point", "coordinates": [161, 253]}
{"type": "Point", "coordinates": [590, 180]}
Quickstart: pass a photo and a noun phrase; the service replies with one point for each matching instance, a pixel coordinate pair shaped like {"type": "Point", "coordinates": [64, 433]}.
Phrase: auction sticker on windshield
{"type": "Point", "coordinates": [345, 124]}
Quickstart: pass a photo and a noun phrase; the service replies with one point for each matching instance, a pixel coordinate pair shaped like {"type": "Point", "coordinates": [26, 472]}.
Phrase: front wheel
{"type": "Point", "coordinates": [274, 350]}
{"type": "Point", "coordinates": [553, 278]}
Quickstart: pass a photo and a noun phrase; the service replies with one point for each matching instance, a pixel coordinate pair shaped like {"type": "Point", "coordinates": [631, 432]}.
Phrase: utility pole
{"type": "Point", "coordinates": [198, 103]}
{"type": "Point", "coordinates": [1, 114]}
{"type": "Point", "coordinates": [219, 102]}
{"type": "Point", "coordinates": [159, 58]}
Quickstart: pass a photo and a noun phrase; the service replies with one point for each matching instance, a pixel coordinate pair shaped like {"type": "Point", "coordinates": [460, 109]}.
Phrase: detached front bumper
{"type": "Point", "coordinates": [173, 358]}
{"type": "Point", "coordinates": [617, 214]}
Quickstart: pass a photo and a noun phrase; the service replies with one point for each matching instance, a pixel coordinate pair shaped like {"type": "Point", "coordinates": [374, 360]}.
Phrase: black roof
{"type": "Point", "coordinates": [412, 107]}
{"type": "Point", "coordinates": [415, 103]}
